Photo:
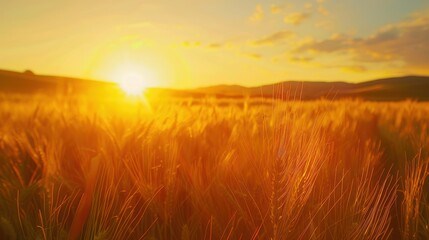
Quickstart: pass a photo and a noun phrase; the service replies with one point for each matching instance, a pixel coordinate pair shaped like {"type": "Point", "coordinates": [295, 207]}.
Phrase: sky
{"type": "Point", "coordinates": [192, 43]}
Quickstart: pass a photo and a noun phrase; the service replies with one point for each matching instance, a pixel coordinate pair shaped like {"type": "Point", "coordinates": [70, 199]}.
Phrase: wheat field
{"type": "Point", "coordinates": [211, 169]}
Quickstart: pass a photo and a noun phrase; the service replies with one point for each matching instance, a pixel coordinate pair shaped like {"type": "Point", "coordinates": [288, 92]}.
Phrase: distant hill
{"type": "Point", "coordinates": [388, 89]}
{"type": "Point", "coordinates": [28, 82]}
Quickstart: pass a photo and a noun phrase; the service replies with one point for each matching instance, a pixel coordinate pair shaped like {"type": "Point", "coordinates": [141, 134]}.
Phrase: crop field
{"type": "Point", "coordinates": [239, 169]}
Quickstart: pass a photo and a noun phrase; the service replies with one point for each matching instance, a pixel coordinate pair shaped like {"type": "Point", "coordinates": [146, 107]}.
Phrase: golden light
{"type": "Point", "coordinates": [133, 83]}
{"type": "Point", "coordinates": [133, 79]}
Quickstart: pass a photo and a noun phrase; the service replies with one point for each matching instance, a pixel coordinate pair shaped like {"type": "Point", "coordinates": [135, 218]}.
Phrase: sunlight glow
{"type": "Point", "coordinates": [133, 79]}
{"type": "Point", "coordinates": [133, 84]}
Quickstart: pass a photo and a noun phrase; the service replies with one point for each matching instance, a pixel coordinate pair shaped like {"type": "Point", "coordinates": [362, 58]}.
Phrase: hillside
{"type": "Point", "coordinates": [28, 82]}
{"type": "Point", "coordinates": [388, 89]}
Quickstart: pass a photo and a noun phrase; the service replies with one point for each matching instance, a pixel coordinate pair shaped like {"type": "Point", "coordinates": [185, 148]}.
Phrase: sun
{"type": "Point", "coordinates": [133, 83]}
{"type": "Point", "coordinates": [132, 78]}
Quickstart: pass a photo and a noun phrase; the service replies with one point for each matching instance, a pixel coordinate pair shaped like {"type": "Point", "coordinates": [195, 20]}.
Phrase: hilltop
{"type": "Point", "coordinates": [387, 89]}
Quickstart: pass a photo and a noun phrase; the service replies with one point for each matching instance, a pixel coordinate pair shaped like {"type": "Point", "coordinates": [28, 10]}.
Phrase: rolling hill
{"type": "Point", "coordinates": [388, 89]}
{"type": "Point", "coordinates": [28, 82]}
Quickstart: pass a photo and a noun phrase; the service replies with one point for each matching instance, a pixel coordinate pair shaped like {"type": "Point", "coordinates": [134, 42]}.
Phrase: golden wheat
{"type": "Point", "coordinates": [83, 169]}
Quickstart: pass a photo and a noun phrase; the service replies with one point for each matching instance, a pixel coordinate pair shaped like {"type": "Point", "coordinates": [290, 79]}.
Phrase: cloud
{"type": "Point", "coordinates": [336, 43]}
{"type": "Point", "coordinates": [301, 59]}
{"type": "Point", "coordinates": [406, 42]}
{"type": "Point", "coordinates": [214, 45]}
{"type": "Point", "coordinates": [274, 38]}
{"type": "Point", "coordinates": [191, 44]}
{"type": "Point", "coordinates": [254, 56]}
{"type": "Point", "coordinates": [308, 6]}
{"type": "Point", "coordinates": [275, 9]}
{"type": "Point", "coordinates": [258, 14]}
{"type": "Point", "coordinates": [297, 18]}
{"type": "Point", "coordinates": [384, 35]}
{"type": "Point", "coordinates": [325, 24]}
{"type": "Point", "coordinates": [322, 10]}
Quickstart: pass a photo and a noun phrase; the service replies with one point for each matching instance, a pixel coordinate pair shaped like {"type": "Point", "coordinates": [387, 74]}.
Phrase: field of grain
{"type": "Point", "coordinates": [75, 169]}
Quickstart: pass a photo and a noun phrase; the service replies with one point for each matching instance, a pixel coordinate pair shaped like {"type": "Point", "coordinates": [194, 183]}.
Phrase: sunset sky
{"type": "Point", "coordinates": [190, 43]}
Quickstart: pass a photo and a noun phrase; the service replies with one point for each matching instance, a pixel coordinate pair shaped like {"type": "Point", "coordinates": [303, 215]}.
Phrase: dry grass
{"type": "Point", "coordinates": [76, 169]}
